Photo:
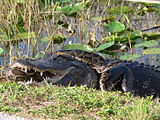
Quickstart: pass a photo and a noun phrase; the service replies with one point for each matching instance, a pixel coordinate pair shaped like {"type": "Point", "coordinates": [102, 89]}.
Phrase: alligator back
{"type": "Point", "coordinates": [94, 60]}
{"type": "Point", "coordinates": [137, 78]}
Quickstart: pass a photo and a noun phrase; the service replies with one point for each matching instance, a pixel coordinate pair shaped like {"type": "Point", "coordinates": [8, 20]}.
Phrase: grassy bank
{"type": "Point", "coordinates": [51, 102]}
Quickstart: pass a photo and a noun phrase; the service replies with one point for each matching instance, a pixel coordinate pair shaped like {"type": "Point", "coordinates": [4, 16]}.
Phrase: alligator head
{"type": "Point", "coordinates": [58, 70]}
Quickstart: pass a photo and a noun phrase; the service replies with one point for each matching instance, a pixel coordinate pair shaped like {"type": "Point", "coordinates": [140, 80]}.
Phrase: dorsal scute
{"type": "Point", "coordinates": [143, 65]}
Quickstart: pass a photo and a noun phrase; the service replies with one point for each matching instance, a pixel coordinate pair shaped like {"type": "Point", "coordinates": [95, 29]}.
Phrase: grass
{"type": "Point", "coordinates": [51, 102]}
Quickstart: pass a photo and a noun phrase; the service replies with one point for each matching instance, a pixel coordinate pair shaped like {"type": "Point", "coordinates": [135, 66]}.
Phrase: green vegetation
{"type": "Point", "coordinates": [35, 27]}
{"type": "Point", "coordinates": [31, 28]}
{"type": "Point", "coordinates": [81, 103]}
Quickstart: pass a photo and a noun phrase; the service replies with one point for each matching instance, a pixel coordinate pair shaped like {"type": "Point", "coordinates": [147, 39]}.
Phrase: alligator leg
{"type": "Point", "coordinates": [120, 79]}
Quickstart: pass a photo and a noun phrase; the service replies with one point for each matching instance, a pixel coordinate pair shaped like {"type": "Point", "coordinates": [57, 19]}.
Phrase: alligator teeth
{"type": "Point", "coordinates": [31, 79]}
{"type": "Point", "coordinates": [41, 73]}
{"type": "Point", "coordinates": [47, 78]}
{"type": "Point", "coordinates": [25, 70]}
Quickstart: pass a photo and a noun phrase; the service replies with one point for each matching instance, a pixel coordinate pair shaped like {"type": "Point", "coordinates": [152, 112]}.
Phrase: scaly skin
{"type": "Point", "coordinates": [128, 76]}
{"type": "Point", "coordinates": [77, 67]}
{"type": "Point", "coordinates": [95, 61]}
{"type": "Point", "coordinates": [60, 70]}
{"type": "Point", "coordinates": [134, 77]}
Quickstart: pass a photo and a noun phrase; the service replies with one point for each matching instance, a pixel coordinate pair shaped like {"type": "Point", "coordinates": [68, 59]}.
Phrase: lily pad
{"type": "Point", "coordinates": [152, 51]}
{"type": "Point", "coordinates": [104, 46]}
{"type": "Point", "coordinates": [120, 10]}
{"type": "Point", "coordinates": [134, 34]}
{"type": "Point", "coordinates": [151, 36]}
{"type": "Point", "coordinates": [72, 10]}
{"type": "Point", "coordinates": [130, 56]}
{"type": "Point", "coordinates": [147, 44]}
{"type": "Point", "coordinates": [79, 46]}
{"type": "Point", "coordinates": [114, 27]}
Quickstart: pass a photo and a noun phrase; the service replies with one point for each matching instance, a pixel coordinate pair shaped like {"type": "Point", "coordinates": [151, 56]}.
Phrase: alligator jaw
{"type": "Point", "coordinates": [27, 69]}
{"type": "Point", "coordinates": [32, 73]}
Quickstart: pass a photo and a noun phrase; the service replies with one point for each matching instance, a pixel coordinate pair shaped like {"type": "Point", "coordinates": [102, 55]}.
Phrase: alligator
{"type": "Point", "coordinates": [61, 71]}
{"type": "Point", "coordinates": [128, 76]}
{"type": "Point", "coordinates": [78, 67]}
